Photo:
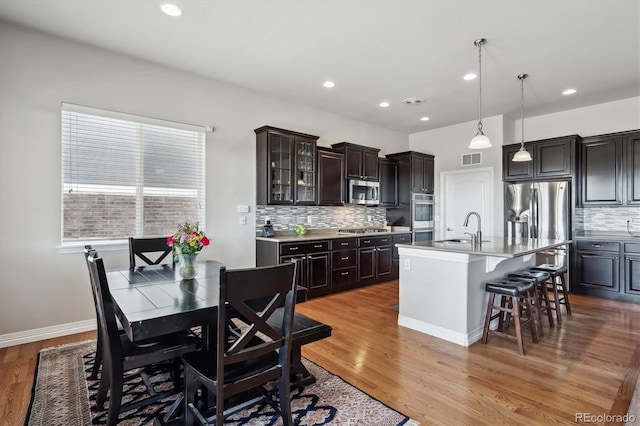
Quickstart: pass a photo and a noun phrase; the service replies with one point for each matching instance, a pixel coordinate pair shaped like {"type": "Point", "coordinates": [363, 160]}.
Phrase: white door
{"type": "Point", "coordinates": [463, 191]}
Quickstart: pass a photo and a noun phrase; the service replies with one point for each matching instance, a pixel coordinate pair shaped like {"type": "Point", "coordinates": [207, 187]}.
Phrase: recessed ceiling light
{"type": "Point", "coordinates": [328, 84]}
{"type": "Point", "coordinates": [470, 76]}
{"type": "Point", "coordinates": [384, 104]}
{"type": "Point", "coordinates": [171, 9]}
{"type": "Point", "coordinates": [569, 92]}
{"type": "Point", "coordinates": [424, 118]}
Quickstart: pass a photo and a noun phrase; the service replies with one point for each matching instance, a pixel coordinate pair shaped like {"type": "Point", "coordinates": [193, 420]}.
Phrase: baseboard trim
{"type": "Point", "coordinates": [44, 333]}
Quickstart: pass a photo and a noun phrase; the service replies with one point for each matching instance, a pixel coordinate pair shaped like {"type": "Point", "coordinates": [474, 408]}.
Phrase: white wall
{"type": "Point", "coordinates": [449, 143]}
{"type": "Point", "coordinates": [610, 117]}
{"type": "Point", "coordinates": [41, 287]}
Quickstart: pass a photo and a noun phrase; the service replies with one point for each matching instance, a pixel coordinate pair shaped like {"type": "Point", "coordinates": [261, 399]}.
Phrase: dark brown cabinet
{"type": "Point", "coordinates": [361, 162]}
{"type": "Point", "coordinates": [632, 268]}
{"type": "Point", "coordinates": [344, 263]}
{"type": "Point", "coordinates": [285, 167]}
{"type": "Point", "coordinates": [374, 259]}
{"type": "Point", "coordinates": [395, 257]}
{"type": "Point", "coordinates": [415, 174]}
{"type": "Point", "coordinates": [388, 183]}
{"type": "Point", "coordinates": [601, 176]}
{"type": "Point", "coordinates": [330, 177]}
{"type": "Point", "coordinates": [632, 141]}
{"type": "Point", "coordinates": [552, 158]}
{"type": "Point", "coordinates": [314, 263]}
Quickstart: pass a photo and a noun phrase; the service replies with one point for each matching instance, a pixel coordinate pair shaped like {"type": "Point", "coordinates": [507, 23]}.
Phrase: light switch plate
{"type": "Point", "coordinates": [242, 208]}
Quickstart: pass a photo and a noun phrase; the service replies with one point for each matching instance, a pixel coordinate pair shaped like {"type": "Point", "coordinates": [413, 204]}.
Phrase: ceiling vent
{"type": "Point", "coordinates": [413, 101]}
{"type": "Point", "coordinates": [471, 159]}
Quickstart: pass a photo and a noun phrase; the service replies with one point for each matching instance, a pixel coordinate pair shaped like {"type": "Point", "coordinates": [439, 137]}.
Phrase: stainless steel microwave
{"type": "Point", "coordinates": [363, 192]}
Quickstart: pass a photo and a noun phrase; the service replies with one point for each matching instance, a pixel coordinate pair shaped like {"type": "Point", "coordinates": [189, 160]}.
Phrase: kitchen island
{"type": "Point", "coordinates": [442, 290]}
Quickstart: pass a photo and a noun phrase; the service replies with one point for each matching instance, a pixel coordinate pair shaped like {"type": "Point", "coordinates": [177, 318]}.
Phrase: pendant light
{"type": "Point", "coordinates": [522, 154]}
{"type": "Point", "coordinates": [480, 141]}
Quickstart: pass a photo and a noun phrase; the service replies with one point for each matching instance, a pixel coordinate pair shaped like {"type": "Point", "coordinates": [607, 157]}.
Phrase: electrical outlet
{"type": "Point", "coordinates": [368, 218]}
{"type": "Point", "coordinates": [243, 220]}
{"type": "Point", "coordinates": [309, 219]}
{"type": "Point", "coordinates": [267, 219]}
{"type": "Point", "coordinates": [407, 264]}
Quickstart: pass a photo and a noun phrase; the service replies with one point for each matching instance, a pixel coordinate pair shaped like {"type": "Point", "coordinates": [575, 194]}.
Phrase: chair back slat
{"type": "Point", "coordinates": [144, 248]}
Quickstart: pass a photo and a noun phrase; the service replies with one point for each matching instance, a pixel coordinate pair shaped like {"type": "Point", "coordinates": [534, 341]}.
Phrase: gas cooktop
{"type": "Point", "coordinates": [361, 230]}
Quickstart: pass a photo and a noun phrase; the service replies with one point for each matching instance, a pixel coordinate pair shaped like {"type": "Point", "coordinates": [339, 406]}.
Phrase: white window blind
{"type": "Point", "coordinates": [125, 175]}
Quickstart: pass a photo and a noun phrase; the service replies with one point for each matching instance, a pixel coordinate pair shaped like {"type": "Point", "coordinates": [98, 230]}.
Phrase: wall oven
{"type": "Point", "coordinates": [422, 211]}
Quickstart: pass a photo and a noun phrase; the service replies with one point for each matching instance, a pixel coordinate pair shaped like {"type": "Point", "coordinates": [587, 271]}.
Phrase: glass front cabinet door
{"type": "Point", "coordinates": [286, 167]}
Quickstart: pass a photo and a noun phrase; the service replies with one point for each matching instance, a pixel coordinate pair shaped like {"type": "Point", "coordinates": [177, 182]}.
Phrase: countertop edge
{"type": "Point", "coordinates": [464, 249]}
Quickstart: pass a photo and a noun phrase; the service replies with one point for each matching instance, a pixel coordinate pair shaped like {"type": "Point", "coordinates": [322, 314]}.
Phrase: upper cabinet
{"type": "Point", "coordinates": [285, 167]}
{"type": "Point", "coordinates": [330, 177]}
{"type": "Point", "coordinates": [552, 158]}
{"type": "Point", "coordinates": [610, 170]}
{"type": "Point", "coordinates": [415, 174]}
{"type": "Point", "coordinates": [361, 162]}
{"type": "Point", "coordinates": [388, 182]}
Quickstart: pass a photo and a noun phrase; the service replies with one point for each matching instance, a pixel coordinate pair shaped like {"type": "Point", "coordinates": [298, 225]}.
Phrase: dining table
{"type": "Point", "coordinates": [154, 300]}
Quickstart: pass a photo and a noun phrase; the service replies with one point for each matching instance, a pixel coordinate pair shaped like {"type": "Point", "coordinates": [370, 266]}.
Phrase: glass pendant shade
{"type": "Point", "coordinates": [480, 141]}
{"type": "Point", "coordinates": [522, 155]}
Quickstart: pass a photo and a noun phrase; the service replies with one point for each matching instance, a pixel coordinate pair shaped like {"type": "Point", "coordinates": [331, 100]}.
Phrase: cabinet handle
{"type": "Point", "coordinates": [317, 246]}
{"type": "Point", "coordinates": [344, 273]}
{"type": "Point", "coordinates": [293, 248]}
{"type": "Point", "coordinates": [344, 244]}
{"type": "Point", "coordinates": [344, 258]}
{"type": "Point", "coordinates": [596, 245]}
{"type": "Point", "coordinates": [384, 241]}
{"type": "Point", "coordinates": [367, 241]}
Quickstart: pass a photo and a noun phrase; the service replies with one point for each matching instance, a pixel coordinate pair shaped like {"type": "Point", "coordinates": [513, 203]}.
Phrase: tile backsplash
{"type": "Point", "coordinates": [286, 217]}
{"type": "Point", "coordinates": [607, 218]}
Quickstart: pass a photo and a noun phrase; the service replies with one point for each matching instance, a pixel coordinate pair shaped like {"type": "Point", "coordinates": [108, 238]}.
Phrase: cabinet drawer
{"type": "Point", "coordinates": [300, 248]}
{"type": "Point", "coordinates": [374, 241]}
{"type": "Point", "coordinates": [402, 238]}
{"type": "Point", "coordinates": [344, 243]}
{"type": "Point", "coordinates": [343, 258]}
{"type": "Point", "coordinates": [344, 277]}
{"type": "Point", "coordinates": [584, 245]}
{"type": "Point", "coordinates": [632, 247]}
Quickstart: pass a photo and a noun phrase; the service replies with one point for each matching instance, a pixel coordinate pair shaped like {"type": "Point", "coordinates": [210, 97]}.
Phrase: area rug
{"type": "Point", "coordinates": [63, 394]}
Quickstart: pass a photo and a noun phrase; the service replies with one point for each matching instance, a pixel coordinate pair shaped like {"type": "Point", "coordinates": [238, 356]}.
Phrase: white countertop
{"type": "Point", "coordinates": [495, 246]}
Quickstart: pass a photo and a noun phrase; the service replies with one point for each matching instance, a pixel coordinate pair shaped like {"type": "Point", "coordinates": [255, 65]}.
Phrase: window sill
{"type": "Point", "coordinates": [99, 245]}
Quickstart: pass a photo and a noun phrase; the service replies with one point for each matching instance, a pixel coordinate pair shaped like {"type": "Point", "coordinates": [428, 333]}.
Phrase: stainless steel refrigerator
{"type": "Point", "coordinates": [539, 210]}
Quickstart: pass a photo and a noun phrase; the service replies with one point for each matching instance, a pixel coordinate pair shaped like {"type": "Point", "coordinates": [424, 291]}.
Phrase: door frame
{"type": "Point", "coordinates": [488, 215]}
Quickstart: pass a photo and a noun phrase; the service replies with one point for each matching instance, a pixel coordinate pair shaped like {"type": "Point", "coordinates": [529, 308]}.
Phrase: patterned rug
{"type": "Point", "coordinates": [63, 394]}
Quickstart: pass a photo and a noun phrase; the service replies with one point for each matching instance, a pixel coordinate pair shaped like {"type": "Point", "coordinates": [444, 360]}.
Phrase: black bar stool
{"type": "Point", "coordinates": [511, 291]}
{"type": "Point", "coordinates": [538, 278]}
{"type": "Point", "coordinates": [557, 281]}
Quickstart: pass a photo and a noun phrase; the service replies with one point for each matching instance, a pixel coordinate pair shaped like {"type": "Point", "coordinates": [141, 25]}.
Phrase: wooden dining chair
{"type": "Point", "coordinates": [97, 362]}
{"type": "Point", "coordinates": [121, 355]}
{"type": "Point", "coordinates": [152, 251]}
{"type": "Point", "coordinates": [257, 355]}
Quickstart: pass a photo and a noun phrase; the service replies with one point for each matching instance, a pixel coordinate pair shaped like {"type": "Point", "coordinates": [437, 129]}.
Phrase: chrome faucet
{"type": "Point", "coordinates": [478, 239]}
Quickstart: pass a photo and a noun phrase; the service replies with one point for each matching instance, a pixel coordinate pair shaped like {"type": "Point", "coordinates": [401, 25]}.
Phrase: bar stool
{"type": "Point", "coordinates": [510, 292]}
{"type": "Point", "coordinates": [557, 279]}
{"type": "Point", "coordinates": [538, 278]}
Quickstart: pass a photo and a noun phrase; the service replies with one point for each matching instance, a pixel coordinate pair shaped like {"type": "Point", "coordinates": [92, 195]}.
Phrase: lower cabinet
{"type": "Point", "coordinates": [344, 263]}
{"type": "Point", "coordinates": [374, 259]}
{"type": "Point", "coordinates": [395, 258]}
{"type": "Point", "coordinates": [313, 264]}
{"type": "Point", "coordinates": [609, 269]}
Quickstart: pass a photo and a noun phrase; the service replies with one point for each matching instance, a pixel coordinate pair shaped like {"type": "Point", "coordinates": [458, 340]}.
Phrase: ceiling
{"type": "Point", "coordinates": [375, 50]}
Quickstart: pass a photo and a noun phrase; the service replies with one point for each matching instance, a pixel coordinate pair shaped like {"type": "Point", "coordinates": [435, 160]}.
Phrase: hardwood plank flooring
{"type": "Point", "coordinates": [589, 364]}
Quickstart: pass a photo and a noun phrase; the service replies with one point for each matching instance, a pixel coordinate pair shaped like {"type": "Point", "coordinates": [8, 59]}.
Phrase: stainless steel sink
{"type": "Point", "coordinates": [457, 241]}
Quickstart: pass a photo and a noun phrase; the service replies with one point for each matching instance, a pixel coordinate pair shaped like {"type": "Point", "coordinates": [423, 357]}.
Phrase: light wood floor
{"type": "Point", "coordinates": [589, 364]}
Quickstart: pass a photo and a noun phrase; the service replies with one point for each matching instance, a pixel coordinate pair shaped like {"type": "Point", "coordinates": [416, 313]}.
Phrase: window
{"type": "Point", "coordinates": [125, 175]}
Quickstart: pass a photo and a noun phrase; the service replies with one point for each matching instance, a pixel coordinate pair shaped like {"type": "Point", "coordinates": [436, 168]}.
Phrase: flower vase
{"type": "Point", "coordinates": [188, 266]}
